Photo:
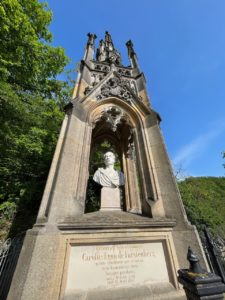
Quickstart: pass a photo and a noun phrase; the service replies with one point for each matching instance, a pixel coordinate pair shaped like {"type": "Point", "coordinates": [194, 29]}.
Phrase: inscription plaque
{"type": "Point", "coordinates": [115, 265]}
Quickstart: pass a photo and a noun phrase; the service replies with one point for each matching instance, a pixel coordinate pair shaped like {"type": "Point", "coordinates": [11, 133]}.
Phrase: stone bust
{"type": "Point", "coordinates": [108, 176]}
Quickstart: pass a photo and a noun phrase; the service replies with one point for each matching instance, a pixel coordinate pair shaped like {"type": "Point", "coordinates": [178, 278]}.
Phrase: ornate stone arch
{"type": "Point", "coordinates": [123, 125]}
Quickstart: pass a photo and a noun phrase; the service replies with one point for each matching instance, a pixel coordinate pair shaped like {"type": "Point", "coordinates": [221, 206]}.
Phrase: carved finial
{"type": "Point", "coordinates": [130, 48]}
{"type": "Point", "coordinates": [108, 41]}
{"type": "Point", "coordinates": [100, 53]}
{"type": "Point", "coordinates": [132, 55]}
{"type": "Point", "coordinates": [106, 51]}
{"type": "Point", "coordinates": [91, 39]}
{"type": "Point", "coordinates": [194, 262]}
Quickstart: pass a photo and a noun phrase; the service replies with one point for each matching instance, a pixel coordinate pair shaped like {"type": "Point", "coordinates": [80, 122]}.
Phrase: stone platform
{"type": "Point", "coordinates": [99, 256]}
{"type": "Point", "coordinates": [119, 255]}
{"type": "Point", "coordinates": [151, 292]}
{"type": "Point", "coordinates": [114, 219]}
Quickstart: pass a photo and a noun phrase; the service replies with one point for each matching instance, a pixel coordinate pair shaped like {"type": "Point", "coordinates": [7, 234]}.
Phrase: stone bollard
{"type": "Point", "coordinates": [198, 283]}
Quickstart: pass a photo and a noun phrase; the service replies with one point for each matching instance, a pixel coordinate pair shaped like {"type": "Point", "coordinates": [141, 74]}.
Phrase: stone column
{"type": "Point", "coordinates": [66, 187]}
{"type": "Point", "coordinates": [132, 188]}
{"type": "Point", "coordinates": [45, 204]}
{"type": "Point", "coordinates": [165, 183]}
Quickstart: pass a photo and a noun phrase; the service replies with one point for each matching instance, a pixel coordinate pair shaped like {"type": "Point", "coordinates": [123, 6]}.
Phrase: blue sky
{"type": "Point", "coordinates": [180, 45]}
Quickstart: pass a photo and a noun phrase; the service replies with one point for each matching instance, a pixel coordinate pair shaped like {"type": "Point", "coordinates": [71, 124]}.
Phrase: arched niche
{"type": "Point", "coordinates": [98, 148]}
{"type": "Point", "coordinates": [119, 123]}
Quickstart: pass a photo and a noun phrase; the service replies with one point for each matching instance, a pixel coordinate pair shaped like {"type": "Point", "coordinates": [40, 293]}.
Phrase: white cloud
{"type": "Point", "coordinates": [191, 151]}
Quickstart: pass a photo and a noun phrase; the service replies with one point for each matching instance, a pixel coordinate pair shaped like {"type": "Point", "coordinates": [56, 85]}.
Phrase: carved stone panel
{"type": "Point", "coordinates": [117, 86]}
{"type": "Point", "coordinates": [113, 116]}
{"type": "Point", "coordinates": [101, 67]}
{"type": "Point", "coordinates": [124, 72]}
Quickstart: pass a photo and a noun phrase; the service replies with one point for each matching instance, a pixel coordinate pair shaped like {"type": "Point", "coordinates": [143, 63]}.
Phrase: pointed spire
{"type": "Point", "coordinates": [101, 53]}
{"type": "Point", "coordinates": [90, 47]}
{"type": "Point", "coordinates": [108, 42]}
{"type": "Point", "coordinates": [106, 51]}
{"type": "Point", "coordinates": [130, 48]}
{"type": "Point", "coordinates": [132, 55]}
{"type": "Point", "coordinates": [91, 39]}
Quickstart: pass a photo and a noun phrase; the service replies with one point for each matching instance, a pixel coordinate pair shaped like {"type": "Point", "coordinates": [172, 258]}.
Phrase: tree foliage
{"type": "Point", "coordinates": [26, 57]}
{"type": "Point", "coordinates": [204, 199]}
{"type": "Point", "coordinates": [30, 100]}
{"type": "Point", "coordinates": [223, 157]}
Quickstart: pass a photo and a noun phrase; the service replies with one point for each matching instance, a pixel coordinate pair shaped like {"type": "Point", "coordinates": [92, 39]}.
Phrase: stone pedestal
{"type": "Point", "coordinates": [110, 199]}
{"type": "Point", "coordinates": [201, 286]}
{"type": "Point", "coordinates": [106, 255]}
{"type": "Point", "coordinates": [198, 283]}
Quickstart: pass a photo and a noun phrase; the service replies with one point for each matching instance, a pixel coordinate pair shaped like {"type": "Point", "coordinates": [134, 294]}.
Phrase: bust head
{"type": "Point", "coordinates": [108, 176]}
{"type": "Point", "coordinates": [109, 158]}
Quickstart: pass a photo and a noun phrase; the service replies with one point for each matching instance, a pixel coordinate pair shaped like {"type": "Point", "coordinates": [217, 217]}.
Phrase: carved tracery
{"type": "Point", "coordinates": [106, 51]}
{"type": "Point", "coordinates": [113, 116]}
{"type": "Point", "coordinates": [119, 87]}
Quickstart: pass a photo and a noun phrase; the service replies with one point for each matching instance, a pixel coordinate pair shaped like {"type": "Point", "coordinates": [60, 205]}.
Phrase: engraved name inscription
{"type": "Point", "coordinates": [115, 265]}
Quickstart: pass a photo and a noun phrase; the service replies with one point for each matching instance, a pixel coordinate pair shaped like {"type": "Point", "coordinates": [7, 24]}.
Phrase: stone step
{"type": "Point", "coordinates": [160, 291]}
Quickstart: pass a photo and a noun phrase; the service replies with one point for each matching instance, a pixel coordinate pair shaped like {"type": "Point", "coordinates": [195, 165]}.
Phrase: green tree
{"type": "Point", "coordinates": [224, 157]}
{"type": "Point", "coordinates": [31, 98]}
{"type": "Point", "coordinates": [27, 59]}
{"type": "Point", "coordinates": [204, 198]}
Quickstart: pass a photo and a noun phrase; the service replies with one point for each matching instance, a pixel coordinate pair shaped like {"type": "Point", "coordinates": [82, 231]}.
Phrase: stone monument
{"type": "Point", "coordinates": [133, 253]}
{"type": "Point", "coordinates": [110, 180]}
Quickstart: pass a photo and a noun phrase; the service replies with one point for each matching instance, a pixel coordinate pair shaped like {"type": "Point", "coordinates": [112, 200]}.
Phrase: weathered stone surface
{"type": "Point", "coordinates": [114, 219]}
{"type": "Point", "coordinates": [201, 286]}
{"type": "Point", "coordinates": [154, 292]}
{"type": "Point", "coordinates": [110, 199]}
{"type": "Point", "coordinates": [115, 265]}
{"type": "Point", "coordinates": [150, 189]}
{"type": "Point", "coordinates": [48, 267]}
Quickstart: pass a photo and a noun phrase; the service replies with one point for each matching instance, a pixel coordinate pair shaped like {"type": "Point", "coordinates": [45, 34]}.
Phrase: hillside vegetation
{"type": "Point", "coordinates": [204, 201]}
{"type": "Point", "coordinates": [31, 101]}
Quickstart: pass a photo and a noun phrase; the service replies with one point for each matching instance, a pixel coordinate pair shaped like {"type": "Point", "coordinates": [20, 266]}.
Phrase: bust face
{"type": "Point", "coordinates": [109, 158]}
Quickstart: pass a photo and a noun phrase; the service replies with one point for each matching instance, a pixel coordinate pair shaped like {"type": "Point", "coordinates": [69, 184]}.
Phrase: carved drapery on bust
{"type": "Point", "coordinates": [108, 176]}
{"type": "Point", "coordinates": [108, 179]}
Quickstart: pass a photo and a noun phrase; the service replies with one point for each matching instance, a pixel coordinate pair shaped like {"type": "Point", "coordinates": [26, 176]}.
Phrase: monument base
{"type": "Point", "coordinates": [133, 257]}
{"type": "Point", "coordinates": [99, 256]}
{"type": "Point", "coordinates": [110, 199]}
{"type": "Point", "coordinates": [160, 291]}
